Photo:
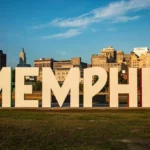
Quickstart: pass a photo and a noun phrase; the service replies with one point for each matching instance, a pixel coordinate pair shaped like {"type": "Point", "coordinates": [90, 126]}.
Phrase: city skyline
{"type": "Point", "coordinates": [136, 51]}
{"type": "Point", "coordinates": [54, 29]}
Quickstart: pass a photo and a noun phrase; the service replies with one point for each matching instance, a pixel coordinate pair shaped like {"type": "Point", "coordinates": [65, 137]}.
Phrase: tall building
{"type": "Point", "coordinates": [140, 58]}
{"type": "Point", "coordinates": [140, 50]}
{"type": "Point", "coordinates": [107, 59]}
{"type": "Point", "coordinates": [142, 61]}
{"type": "Point", "coordinates": [23, 59]}
{"type": "Point", "coordinates": [127, 59]}
{"type": "Point", "coordinates": [110, 53]}
{"type": "Point", "coordinates": [43, 62]}
{"type": "Point", "coordinates": [3, 59]}
{"type": "Point", "coordinates": [119, 56]}
{"type": "Point", "coordinates": [62, 67]}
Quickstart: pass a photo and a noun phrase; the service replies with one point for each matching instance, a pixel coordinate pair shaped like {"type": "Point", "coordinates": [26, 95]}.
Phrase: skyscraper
{"type": "Point", "coordinates": [23, 59]}
{"type": "Point", "coordinates": [2, 59]}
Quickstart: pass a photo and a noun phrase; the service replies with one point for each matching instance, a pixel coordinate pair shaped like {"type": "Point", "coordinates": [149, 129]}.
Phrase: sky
{"type": "Point", "coordinates": [62, 29]}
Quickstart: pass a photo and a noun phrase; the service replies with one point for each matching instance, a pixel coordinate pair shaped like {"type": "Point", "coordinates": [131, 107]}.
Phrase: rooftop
{"type": "Point", "coordinates": [120, 51]}
{"type": "Point", "coordinates": [64, 61]}
{"type": "Point", "coordinates": [43, 59]}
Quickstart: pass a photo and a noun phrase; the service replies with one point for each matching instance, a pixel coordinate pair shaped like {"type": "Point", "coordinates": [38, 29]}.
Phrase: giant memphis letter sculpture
{"type": "Point", "coordinates": [71, 84]}
{"type": "Point", "coordinates": [130, 88]}
{"type": "Point", "coordinates": [5, 86]}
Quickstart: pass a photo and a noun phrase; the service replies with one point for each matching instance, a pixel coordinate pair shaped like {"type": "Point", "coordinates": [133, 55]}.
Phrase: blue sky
{"type": "Point", "coordinates": [62, 29]}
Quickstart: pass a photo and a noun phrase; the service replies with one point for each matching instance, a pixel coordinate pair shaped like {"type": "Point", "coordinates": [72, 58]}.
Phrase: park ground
{"type": "Point", "coordinates": [81, 129]}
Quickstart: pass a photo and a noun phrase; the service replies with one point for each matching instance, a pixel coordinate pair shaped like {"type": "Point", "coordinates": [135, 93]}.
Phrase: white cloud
{"type": "Point", "coordinates": [75, 22]}
{"type": "Point", "coordinates": [67, 34]}
{"type": "Point", "coordinates": [41, 26]}
{"type": "Point", "coordinates": [125, 19]}
{"type": "Point", "coordinates": [114, 12]}
{"type": "Point", "coordinates": [111, 12]}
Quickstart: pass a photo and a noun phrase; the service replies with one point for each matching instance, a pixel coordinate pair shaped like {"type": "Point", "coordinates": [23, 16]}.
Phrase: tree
{"type": "Point", "coordinates": [81, 87]}
{"type": "Point", "coordinates": [95, 79]}
{"type": "Point", "coordinates": [13, 75]}
{"type": "Point", "coordinates": [121, 79]}
{"type": "Point", "coordinates": [37, 86]}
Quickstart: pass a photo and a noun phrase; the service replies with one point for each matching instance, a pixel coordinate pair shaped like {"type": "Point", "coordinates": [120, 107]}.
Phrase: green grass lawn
{"type": "Point", "coordinates": [75, 129]}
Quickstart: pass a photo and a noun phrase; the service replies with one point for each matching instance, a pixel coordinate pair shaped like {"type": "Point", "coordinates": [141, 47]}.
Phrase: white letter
{"type": "Point", "coordinates": [5, 86]}
{"type": "Point", "coordinates": [89, 90]}
{"type": "Point", "coordinates": [145, 87]}
{"type": "Point", "coordinates": [50, 83]}
{"type": "Point", "coordinates": [116, 88]}
{"type": "Point", "coordinates": [21, 89]}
